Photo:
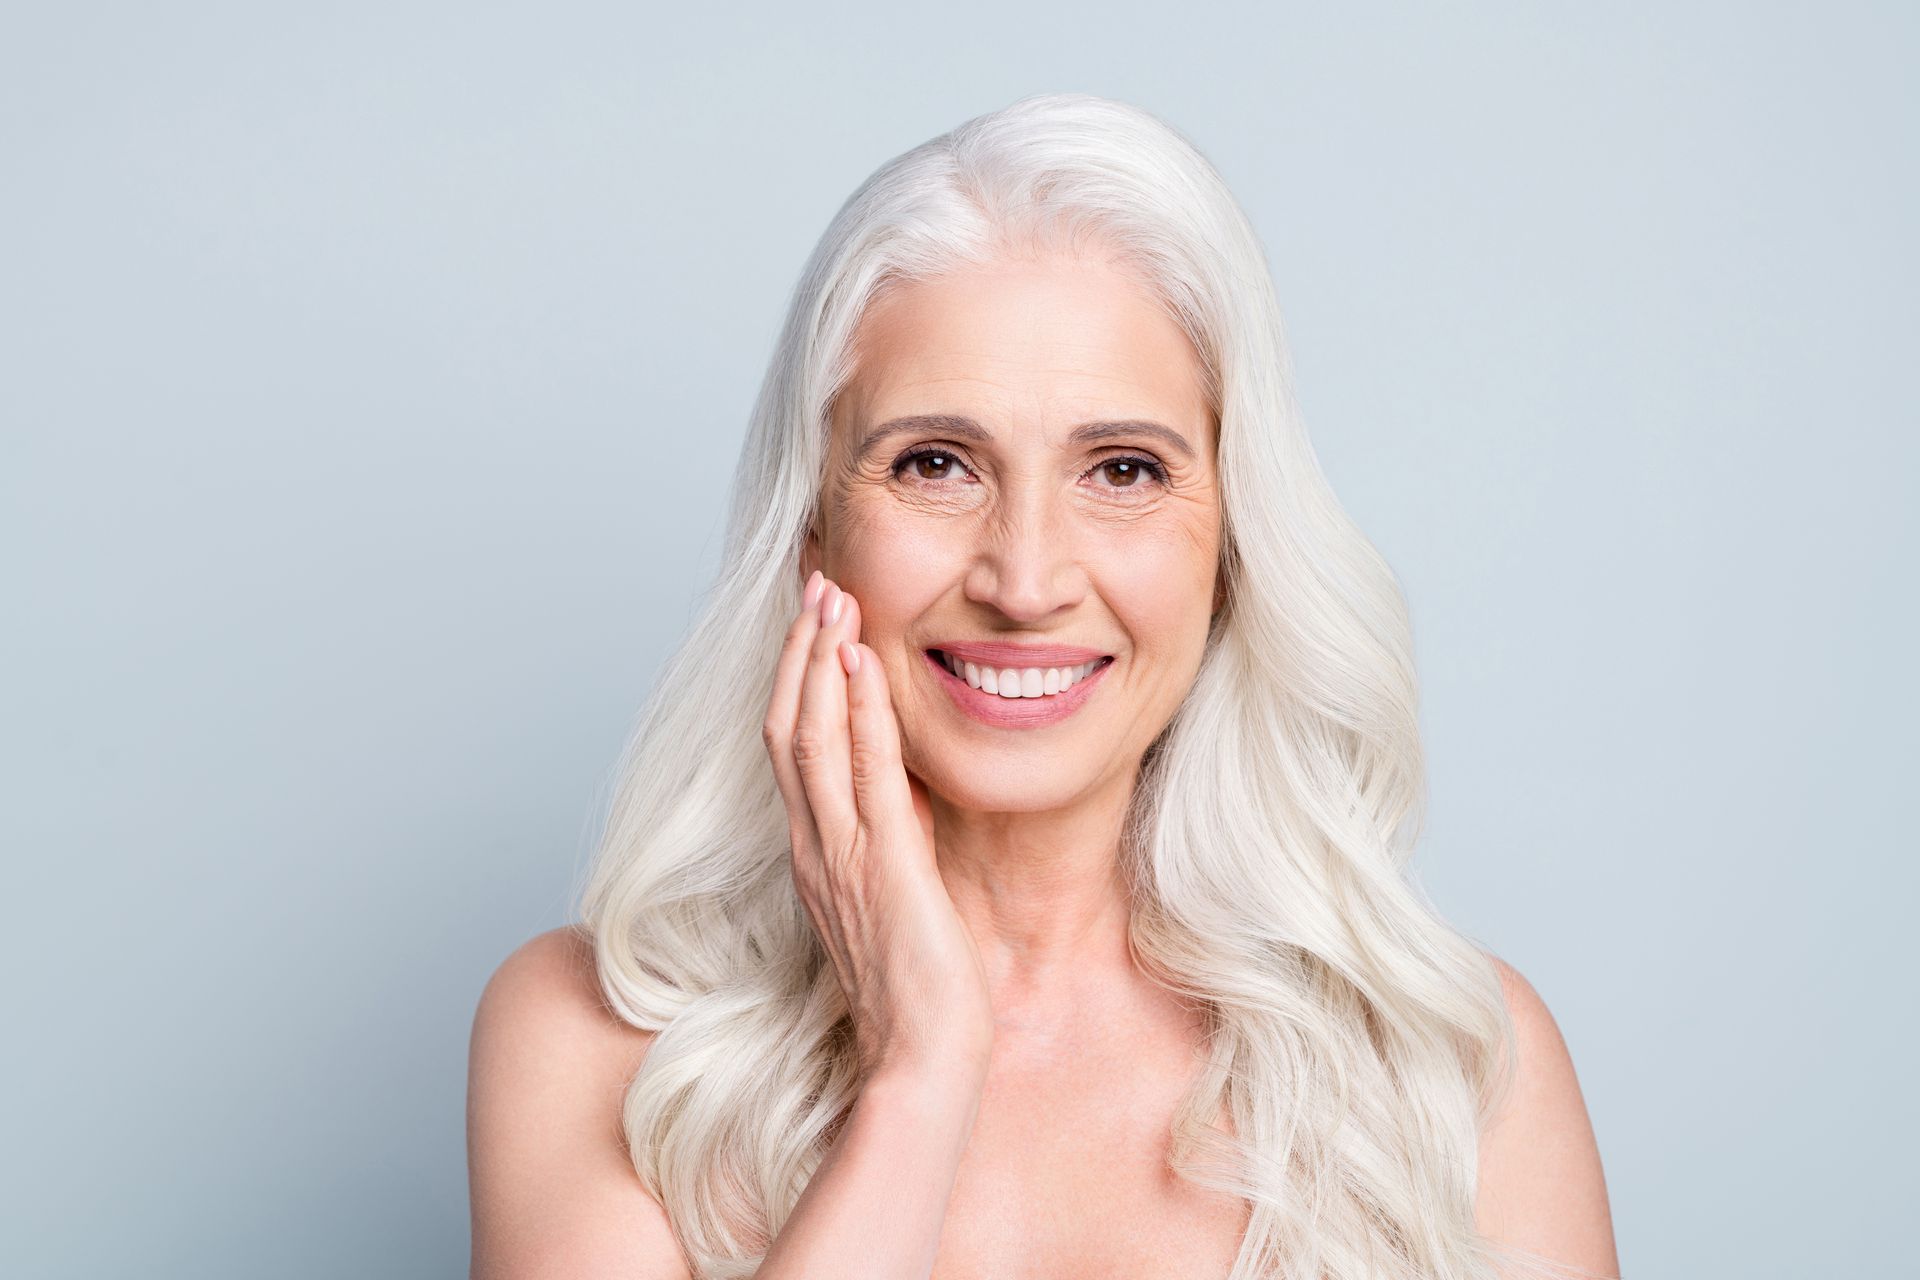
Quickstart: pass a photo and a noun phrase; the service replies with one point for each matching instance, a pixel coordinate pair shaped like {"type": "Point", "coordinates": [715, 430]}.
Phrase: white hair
{"type": "Point", "coordinates": [1358, 1042]}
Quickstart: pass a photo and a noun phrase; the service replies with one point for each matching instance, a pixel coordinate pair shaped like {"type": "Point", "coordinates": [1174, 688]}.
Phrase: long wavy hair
{"type": "Point", "coordinates": [1357, 1043]}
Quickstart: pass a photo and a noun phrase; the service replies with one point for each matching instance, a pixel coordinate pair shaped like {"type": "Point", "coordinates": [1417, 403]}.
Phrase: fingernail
{"type": "Point", "coordinates": [811, 596]}
{"type": "Point", "coordinates": [833, 609]}
{"type": "Point", "coordinates": [849, 657]}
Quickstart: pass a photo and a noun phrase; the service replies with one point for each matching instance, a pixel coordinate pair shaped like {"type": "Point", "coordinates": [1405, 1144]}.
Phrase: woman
{"type": "Point", "coordinates": [1007, 874]}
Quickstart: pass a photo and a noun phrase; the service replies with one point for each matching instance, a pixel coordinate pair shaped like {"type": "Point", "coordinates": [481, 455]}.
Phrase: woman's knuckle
{"type": "Point", "coordinates": [868, 760]}
{"type": "Point", "coordinates": [808, 746]}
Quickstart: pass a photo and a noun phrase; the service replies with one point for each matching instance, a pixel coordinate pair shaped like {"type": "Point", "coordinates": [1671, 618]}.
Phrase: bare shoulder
{"type": "Point", "coordinates": [1542, 1188]}
{"type": "Point", "coordinates": [549, 990]}
{"type": "Point", "coordinates": [553, 1191]}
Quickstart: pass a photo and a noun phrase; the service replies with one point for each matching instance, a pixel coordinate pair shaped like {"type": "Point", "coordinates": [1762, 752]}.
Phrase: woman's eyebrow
{"type": "Point", "coordinates": [967, 428]}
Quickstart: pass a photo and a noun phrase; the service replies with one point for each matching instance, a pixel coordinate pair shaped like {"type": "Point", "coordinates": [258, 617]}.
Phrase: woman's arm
{"type": "Point", "coordinates": [862, 843]}
{"type": "Point", "coordinates": [875, 1206]}
{"type": "Point", "coordinates": [1541, 1186]}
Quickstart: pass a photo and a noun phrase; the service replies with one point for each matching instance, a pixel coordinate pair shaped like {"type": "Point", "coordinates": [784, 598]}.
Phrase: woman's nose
{"type": "Point", "coordinates": [1026, 564]}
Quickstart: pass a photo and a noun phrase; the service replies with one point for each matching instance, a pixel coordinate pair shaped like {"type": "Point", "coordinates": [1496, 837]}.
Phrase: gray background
{"type": "Point", "coordinates": [373, 375]}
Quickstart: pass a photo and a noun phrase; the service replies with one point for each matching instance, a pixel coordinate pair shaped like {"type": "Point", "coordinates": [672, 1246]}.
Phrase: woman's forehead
{"type": "Point", "coordinates": [1059, 340]}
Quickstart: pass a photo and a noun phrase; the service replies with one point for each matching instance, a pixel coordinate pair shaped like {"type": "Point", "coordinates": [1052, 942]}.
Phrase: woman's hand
{"type": "Point", "coordinates": [863, 862]}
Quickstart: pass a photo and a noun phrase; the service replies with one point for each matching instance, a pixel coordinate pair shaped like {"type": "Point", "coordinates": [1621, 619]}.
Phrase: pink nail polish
{"type": "Point", "coordinates": [811, 596]}
{"type": "Point", "coordinates": [849, 657]}
{"type": "Point", "coordinates": [833, 609]}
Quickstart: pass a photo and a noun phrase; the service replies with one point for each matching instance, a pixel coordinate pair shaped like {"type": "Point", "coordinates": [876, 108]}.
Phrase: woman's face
{"type": "Point", "coordinates": [1023, 460]}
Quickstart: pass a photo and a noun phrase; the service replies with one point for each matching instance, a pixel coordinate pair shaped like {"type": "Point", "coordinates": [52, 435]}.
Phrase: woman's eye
{"type": "Point", "coordinates": [929, 465]}
{"type": "Point", "coordinates": [1128, 473]}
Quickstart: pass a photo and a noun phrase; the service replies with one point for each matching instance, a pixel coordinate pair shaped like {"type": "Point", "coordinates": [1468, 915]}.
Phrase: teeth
{"type": "Point", "coordinates": [1019, 682]}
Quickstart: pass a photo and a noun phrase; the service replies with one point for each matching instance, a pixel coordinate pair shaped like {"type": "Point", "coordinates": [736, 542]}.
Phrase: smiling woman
{"type": "Point", "coordinates": [1007, 873]}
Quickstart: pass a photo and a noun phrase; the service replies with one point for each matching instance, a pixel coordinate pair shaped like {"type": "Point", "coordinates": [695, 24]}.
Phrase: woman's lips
{"type": "Point", "coordinates": [1015, 713]}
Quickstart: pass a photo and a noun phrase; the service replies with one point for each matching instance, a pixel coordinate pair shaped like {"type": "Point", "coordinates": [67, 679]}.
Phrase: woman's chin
{"type": "Point", "coordinates": [1008, 785]}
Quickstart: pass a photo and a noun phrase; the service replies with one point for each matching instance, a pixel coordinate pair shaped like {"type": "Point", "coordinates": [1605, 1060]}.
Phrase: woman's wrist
{"type": "Point", "coordinates": [951, 1083]}
{"type": "Point", "coordinates": [960, 1063]}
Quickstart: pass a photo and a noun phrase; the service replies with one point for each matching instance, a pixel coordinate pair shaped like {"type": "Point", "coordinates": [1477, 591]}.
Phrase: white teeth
{"type": "Point", "coordinates": [1019, 682]}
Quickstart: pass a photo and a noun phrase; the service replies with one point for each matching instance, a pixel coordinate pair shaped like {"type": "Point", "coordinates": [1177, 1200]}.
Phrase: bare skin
{"type": "Point", "coordinates": [1020, 1074]}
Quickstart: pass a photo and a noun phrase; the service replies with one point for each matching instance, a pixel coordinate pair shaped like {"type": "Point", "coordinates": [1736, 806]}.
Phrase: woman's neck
{"type": "Point", "coordinates": [1042, 893]}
